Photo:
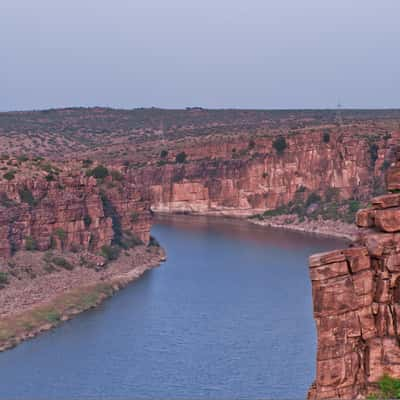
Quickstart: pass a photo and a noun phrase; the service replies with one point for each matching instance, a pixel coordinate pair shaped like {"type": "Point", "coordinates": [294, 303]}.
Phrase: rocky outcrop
{"type": "Point", "coordinates": [356, 296]}
{"type": "Point", "coordinates": [73, 212]}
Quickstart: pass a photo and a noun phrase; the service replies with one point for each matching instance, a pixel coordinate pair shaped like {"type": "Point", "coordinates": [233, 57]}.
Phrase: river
{"type": "Point", "coordinates": [229, 315]}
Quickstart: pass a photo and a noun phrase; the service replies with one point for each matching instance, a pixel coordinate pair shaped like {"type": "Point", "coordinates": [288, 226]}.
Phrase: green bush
{"type": "Point", "coordinates": [279, 144]}
{"type": "Point", "coordinates": [332, 194]}
{"type": "Point", "coordinates": [134, 216]}
{"type": "Point", "coordinates": [313, 198]}
{"type": "Point", "coordinates": [49, 178]}
{"type": "Point", "coordinates": [326, 137]}
{"type": "Point", "coordinates": [99, 172]}
{"type": "Point", "coordinates": [116, 175]}
{"type": "Point", "coordinates": [87, 220]}
{"type": "Point", "coordinates": [164, 154]}
{"type": "Point", "coordinates": [301, 189]}
{"type": "Point", "coordinates": [373, 151]}
{"type": "Point", "coordinates": [389, 388]}
{"type": "Point", "coordinates": [60, 233]}
{"type": "Point", "coordinates": [87, 163]}
{"type": "Point", "coordinates": [26, 196]}
{"type": "Point", "coordinates": [385, 165]}
{"type": "Point", "coordinates": [181, 157]}
{"type": "Point", "coordinates": [47, 167]}
{"type": "Point", "coordinates": [110, 252]}
{"type": "Point", "coordinates": [5, 201]}
{"type": "Point", "coordinates": [153, 242]}
{"type": "Point", "coordinates": [53, 316]}
{"type": "Point", "coordinates": [30, 243]}
{"type": "Point", "coordinates": [354, 206]}
{"type": "Point", "coordinates": [3, 278]}
{"type": "Point", "coordinates": [10, 175]}
{"type": "Point", "coordinates": [63, 263]}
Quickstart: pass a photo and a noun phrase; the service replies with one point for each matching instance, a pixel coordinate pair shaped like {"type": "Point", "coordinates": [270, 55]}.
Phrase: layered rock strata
{"type": "Point", "coordinates": [238, 178]}
{"type": "Point", "coordinates": [73, 212]}
{"type": "Point", "coordinates": [356, 296]}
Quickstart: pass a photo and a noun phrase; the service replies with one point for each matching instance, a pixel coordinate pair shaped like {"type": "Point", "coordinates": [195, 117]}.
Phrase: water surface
{"type": "Point", "coordinates": [229, 315]}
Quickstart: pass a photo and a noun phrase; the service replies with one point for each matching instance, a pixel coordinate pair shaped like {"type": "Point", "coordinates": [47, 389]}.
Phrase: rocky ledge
{"type": "Point", "coordinates": [356, 297]}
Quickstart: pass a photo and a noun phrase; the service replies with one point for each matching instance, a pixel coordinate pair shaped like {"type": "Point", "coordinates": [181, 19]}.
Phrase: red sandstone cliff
{"type": "Point", "coordinates": [241, 178]}
{"type": "Point", "coordinates": [356, 295]}
{"type": "Point", "coordinates": [73, 212]}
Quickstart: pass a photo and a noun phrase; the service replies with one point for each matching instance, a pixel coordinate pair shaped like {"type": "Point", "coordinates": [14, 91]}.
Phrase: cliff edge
{"type": "Point", "coordinates": [356, 298]}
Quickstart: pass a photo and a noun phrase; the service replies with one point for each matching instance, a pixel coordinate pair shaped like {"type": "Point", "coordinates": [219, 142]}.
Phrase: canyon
{"type": "Point", "coordinates": [82, 184]}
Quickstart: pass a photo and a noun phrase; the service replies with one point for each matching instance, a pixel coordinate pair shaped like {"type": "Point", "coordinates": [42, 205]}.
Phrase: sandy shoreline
{"type": "Point", "coordinates": [319, 231]}
{"type": "Point", "coordinates": [43, 316]}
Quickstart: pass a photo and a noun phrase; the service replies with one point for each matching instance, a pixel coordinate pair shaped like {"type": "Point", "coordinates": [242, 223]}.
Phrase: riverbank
{"type": "Point", "coordinates": [42, 302]}
{"type": "Point", "coordinates": [327, 228]}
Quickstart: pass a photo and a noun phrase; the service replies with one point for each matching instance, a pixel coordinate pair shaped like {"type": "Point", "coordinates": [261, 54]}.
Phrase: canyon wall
{"type": "Point", "coordinates": [242, 177]}
{"type": "Point", "coordinates": [73, 212]}
{"type": "Point", "coordinates": [356, 296]}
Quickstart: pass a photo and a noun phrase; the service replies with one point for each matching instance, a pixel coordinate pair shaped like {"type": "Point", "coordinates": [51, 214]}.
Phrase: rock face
{"type": "Point", "coordinates": [356, 296]}
{"type": "Point", "coordinates": [70, 213]}
{"type": "Point", "coordinates": [241, 179]}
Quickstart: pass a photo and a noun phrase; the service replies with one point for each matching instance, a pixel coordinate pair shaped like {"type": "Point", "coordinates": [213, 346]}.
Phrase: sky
{"type": "Point", "coordinates": [263, 54]}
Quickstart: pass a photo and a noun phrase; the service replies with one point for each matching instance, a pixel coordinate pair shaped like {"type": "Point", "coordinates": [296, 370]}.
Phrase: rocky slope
{"type": "Point", "coordinates": [356, 295]}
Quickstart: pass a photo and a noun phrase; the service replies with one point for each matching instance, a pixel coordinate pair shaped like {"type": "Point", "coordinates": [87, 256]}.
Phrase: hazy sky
{"type": "Point", "coordinates": [211, 53]}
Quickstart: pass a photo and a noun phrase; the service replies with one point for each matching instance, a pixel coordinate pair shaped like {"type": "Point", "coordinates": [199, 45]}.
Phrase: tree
{"type": "Point", "coordinates": [181, 157]}
{"type": "Point", "coordinates": [279, 144]}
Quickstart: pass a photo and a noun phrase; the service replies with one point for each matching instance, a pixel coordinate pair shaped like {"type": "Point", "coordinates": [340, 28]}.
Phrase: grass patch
{"type": "Point", "coordinates": [389, 388]}
{"type": "Point", "coordinates": [74, 301]}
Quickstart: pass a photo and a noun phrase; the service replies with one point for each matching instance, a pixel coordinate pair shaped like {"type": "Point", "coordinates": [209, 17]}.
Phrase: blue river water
{"type": "Point", "coordinates": [229, 315]}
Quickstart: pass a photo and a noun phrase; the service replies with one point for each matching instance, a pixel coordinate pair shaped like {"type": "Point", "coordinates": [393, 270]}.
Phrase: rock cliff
{"type": "Point", "coordinates": [356, 296]}
{"type": "Point", "coordinates": [242, 177]}
{"type": "Point", "coordinates": [70, 211]}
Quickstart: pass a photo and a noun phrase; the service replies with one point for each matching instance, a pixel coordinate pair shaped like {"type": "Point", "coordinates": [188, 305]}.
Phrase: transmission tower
{"type": "Point", "coordinates": [339, 118]}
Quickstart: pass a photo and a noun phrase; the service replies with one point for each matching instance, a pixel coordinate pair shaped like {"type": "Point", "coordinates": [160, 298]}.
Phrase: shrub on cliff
{"type": "Point", "coordinates": [134, 216]}
{"type": "Point", "coordinates": [49, 178]}
{"type": "Point", "coordinates": [153, 242]}
{"type": "Point", "coordinates": [3, 279]}
{"type": "Point", "coordinates": [61, 234]}
{"type": "Point", "coordinates": [279, 144]}
{"type": "Point", "coordinates": [87, 220]}
{"type": "Point", "coordinates": [326, 137]}
{"type": "Point", "coordinates": [313, 198]}
{"type": "Point", "coordinates": [30, 243]}
{"type": "Point", "coordinates": [110, 252]}
{"type": "Point", "coordinates": [5, 201]}
{"type": "Point", "coordinates": [181, 157]}
{"type": "Point", "coordinates": [116, 175]}
{"type": "Point", "coordinates": [389, 388]}
{"type": "Point", "coordinates": [163, 153]}
{"type": "Point", "coordinates": [99, 172]}
{"type": "Point", "coordinates": [87, 163]}
{"type": "Point", "coordinates": [26, 196]}
{"type": "Point", "coordinates": [373, 151]}
{"type": "Point", "coordinates": [63, 263]}
{"type": "Point", "coordinates": [10, 175]}
{"type": "Point", "coordinates": [251, 144]}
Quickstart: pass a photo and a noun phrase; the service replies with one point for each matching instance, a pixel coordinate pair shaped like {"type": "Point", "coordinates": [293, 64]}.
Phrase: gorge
{"type": "Point", "coordinates": [78, 188]}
